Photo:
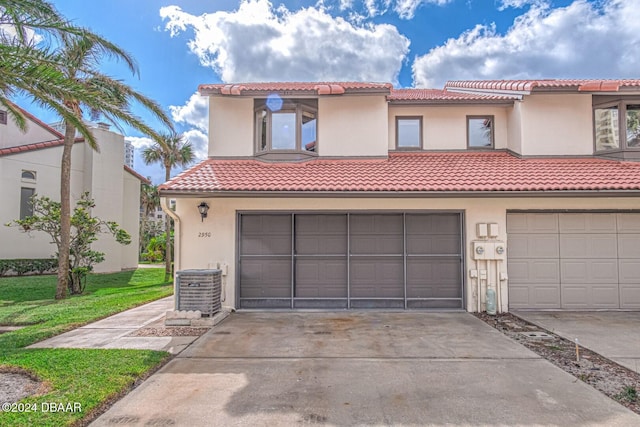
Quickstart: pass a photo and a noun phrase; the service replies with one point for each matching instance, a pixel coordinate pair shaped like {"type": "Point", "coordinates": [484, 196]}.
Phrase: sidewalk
{"type": "Point", "coordinates": [113, 331]}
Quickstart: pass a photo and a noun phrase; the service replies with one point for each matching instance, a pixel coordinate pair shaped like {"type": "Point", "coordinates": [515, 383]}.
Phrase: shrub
{"type": "Point", "coordinates": [21, 267]}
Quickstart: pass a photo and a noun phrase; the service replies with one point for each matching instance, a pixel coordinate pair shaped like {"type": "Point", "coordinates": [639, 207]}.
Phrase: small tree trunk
{"type": "Point", "coordinates": [65, 213]}
{"type": "Point", "coordinates": [167, 226]}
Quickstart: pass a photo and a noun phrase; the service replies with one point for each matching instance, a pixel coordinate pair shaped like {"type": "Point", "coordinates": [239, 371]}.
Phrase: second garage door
{"type": "Point", "coordinates": [387, 260]}
{"type": "Point", "coordinates": [574, 260]}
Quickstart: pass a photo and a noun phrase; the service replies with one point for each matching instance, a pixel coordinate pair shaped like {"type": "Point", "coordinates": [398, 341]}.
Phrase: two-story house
{"type": "Point", "coordinates": [30, 164]}
{"type": "Point", "coordinates": [352, 195]}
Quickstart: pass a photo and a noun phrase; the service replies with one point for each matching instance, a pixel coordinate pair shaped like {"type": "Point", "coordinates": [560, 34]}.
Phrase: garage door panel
{"type": "Point", "coordinates": [588, 246]}
{"type": "Point", "coordinates": [533, 246]}
{"type": "Point", "coordinates": [534, 296]}
{"type": "Point", "coordinates": [431, 245]}
{"type": "Point", "coordinates": [377, 278]}
{"type": "Point", "coordinates": [273, 239]}
{"type": "Point", "coordinates": [376, 234]}
{"type": "Point", "coordinates": [587, 223]}
{"type": "Point", "coordinates": [628, 223]}
{"type": "Point", "coordinates": [629, 270]}
{"type": "Point", "coordinates": [261, 278]}
{"type": "Point", "coordinates": [321, 234]}
{"type": "Point", "coordinates": [433, 278]}
{"type": "Point", "coordinates": [321, 278]}
{"type": "Point", "coordinates": [629, 245]}
{"type": "Point", "coordinates": [589, 271]}
{"type": "Point", "coordinates": [534, 271]}
{"type": "Point", "coordinates": [630, 295]}
{"type": "Point", "coordinates": [590, 296]}
{"type": "Point", "coordinates": [433, 224]}
{"type": "Point", "coordinates": [533, 223]}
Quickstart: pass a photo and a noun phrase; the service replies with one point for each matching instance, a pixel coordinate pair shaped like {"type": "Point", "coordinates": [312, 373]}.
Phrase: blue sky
{"type": "Point", "coordinates": [181, 44]}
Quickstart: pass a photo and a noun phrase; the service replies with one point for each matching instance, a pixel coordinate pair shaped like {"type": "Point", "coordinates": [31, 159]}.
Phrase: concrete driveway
{"type": "Point", "coordinates": [613, 334]}
{"type": "Point", "coordinates": [345, 369]}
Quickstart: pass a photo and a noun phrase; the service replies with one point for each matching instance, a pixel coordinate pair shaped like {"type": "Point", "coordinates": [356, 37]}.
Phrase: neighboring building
{"type": "Point", "coordinates": [128, 154]}
{"type": "Point", "coordinates": [30, 164]}
{"type": "Point", "coordinates": [359, 195]}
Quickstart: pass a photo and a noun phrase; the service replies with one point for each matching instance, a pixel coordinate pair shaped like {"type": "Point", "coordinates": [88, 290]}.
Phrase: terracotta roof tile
{"type": "Point", "coordinates": [594, 85]}
{"type": "Point", "coordinates": [438, 95]}
{"type": "Point", "coordinates": [34, 146]}
{"type": "Point", "coordinates": [319, 88]}
{"type": "Point", "coordinates": [411, 172]}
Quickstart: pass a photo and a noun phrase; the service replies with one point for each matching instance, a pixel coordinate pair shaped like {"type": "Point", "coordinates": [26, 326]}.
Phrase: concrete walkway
{"type": "Point", "coordinates": [113, 331]}
{"type": "Point", "coordinates": [345, 369]}
{"type": "Point", "coordinates": [612, 334]}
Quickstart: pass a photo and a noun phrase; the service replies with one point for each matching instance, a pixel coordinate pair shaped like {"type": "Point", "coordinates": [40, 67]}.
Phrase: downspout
{"type": "Point", "coordinates": [177, 239]}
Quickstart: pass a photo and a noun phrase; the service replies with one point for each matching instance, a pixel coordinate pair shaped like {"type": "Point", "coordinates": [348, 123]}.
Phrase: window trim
{"type": "Point", "coordinates": [420, 146]}
{"type": "Point", "coordinates": [621, 104]}
{"type": "Point", "coordinates": [27, 179]}
{"type": "Point", "coordinates": [493, 131]}
{"type": "Point", "coordinates": [3, 117]}
{"type": "Point", "coordinates": [299, 106]}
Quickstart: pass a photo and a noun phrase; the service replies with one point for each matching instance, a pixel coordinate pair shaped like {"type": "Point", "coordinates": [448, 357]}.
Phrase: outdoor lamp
{"type": "Point", "coordinates": [203, 207]}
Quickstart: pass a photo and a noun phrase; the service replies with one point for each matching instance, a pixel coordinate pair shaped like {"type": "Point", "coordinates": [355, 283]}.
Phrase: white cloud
{"type": "Point", "coordinates": [139, 142]}
{"type": "Point", "coordinates": [200, 143]}
{"type": "Point", "coordinates": [406, 9]}
{"type": "Point", "coordinates": [258, 43]}
{"type": "Point", "coordinates": [194, 113]}
{"type": "Point", "coordinates": [582, 40]}
{"type": "Point", "coordinates": [519, 4]}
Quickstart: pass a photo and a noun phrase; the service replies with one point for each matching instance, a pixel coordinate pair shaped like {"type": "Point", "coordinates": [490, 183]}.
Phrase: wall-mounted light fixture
{"type": "Point", "coordinates": [203, 208]}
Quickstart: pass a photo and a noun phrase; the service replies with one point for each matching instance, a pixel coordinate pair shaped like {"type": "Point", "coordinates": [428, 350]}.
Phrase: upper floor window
{"type": "Point", "coordinates": [3, 117]}
{"type": "Point", "coordinates": [286, 125]}
{"type": "Point", "coordinates": [28, 175]}
{"type": "Point", "coordinates": [480, 132]}
{"type": "Point", "coordinates": [409, 133]}
{"type": "Point", "coordinates": [617, 126]}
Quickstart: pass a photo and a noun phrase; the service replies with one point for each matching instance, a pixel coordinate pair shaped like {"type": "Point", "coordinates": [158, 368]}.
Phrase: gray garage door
{"type": "Point", "coordinates": [574, 260]}
{"type": "Point", "coordinates": [389, 260]}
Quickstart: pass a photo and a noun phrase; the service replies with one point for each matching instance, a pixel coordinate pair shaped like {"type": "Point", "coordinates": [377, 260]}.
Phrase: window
{"type": "Point", "coordinates": [159, 216]}
{"type": "Point", "coordinates": [286, 125]}
{"type": "Point", "coordinates": [409, 133]}
{"type": "Point", "coordinates": [3, 117]}
{"type": "Point", "coordinates": [480, 131]}
{"type": "Point", "coordinates": [26, 208]}
{"type": "Point", "coordinates": [28, 175]}
{"type": "Point", "coordinates": [617, 126]}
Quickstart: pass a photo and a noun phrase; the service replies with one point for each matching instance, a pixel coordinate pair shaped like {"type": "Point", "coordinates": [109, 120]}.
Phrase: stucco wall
{"type": "Point", "coordinates": [46, 164]}
{"type": "Point", "coordinates": [197, 250]}
{"type": "Point", "coordinates": [445, 127]}
{"type": "Point", "coordinates": [352, 126]}
{"type": "Point", "coordinates": [130, 219]}
{"type": "Point", "coordinates": [559, 124]}
{"type": "Point", "coordinates": [11, 135]}
{"type": "Point", "coordinates": [231, 127]}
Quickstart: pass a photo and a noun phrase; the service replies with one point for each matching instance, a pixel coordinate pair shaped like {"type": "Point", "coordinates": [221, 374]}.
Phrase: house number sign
{"type": "Point", "coordinates": [204, 234]}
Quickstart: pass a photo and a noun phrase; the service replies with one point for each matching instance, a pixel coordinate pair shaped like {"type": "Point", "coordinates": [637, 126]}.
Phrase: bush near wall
{"type": "Point", "coordinates": [20, 267]}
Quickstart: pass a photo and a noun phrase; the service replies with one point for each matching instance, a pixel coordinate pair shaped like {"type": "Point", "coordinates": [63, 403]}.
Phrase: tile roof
{"type": "Point", "coordinates": [319, 88]}
{"type": "Point", "coordinates": [136, 174]}
{"type": "Point", "coordinates": [411, 172]}
{"type": "Point", "coordinates": [443, 96]}
{"type": "Point", "coordinates": [595, 85]}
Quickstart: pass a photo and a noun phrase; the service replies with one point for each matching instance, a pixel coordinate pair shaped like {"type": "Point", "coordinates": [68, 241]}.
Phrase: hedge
{"type": "Point", "coordinates": [21, 267]}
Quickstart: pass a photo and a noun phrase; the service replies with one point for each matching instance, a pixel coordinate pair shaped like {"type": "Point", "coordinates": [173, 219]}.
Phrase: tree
{"type": "Point", "coordinates": [149, 202]}
{"type": "Point", "coordinates": [62, 75]}
{"type": "Point", "coordinates": [170, 150]}
{"type": "Point", "coordinates": [85, 230]}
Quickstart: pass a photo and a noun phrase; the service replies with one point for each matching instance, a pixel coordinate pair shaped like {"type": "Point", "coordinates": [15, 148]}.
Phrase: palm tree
{"type": "Point", "coordinates": [112, 99]}
{"type": "Point", "coordinates": [149, 202]}
{"type": "Point", "coordinates": [171, 150]}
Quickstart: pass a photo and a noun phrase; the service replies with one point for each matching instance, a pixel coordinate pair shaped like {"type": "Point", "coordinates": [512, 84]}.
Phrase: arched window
{"type": "Point", "coordinates": [29, 175]}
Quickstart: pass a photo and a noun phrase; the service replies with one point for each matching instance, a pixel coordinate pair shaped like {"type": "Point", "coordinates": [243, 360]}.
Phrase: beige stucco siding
{"type": "Point", "coordinates": [514, 128]}
{"type": "Point", "coordinates": [445, 127]}
{"type": "Point", "coordinates": [130, 219]}
{"type": "Point", "coordinates": [557, 125]}
{"type": "Point", "coordinates": [197, 250]}
{"type": "Point", "coordinates": [46, 164]}
{"type": "Point", "coordinates": [231, 127]}
{"type": "Point", "coordinates": [11, 135]}
{"type": "Point", "coordinates": [352, 126]}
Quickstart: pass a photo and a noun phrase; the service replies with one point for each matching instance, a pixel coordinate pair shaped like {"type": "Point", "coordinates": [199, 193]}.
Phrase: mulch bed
{"type": "Point", "coordinates": [617, 382]}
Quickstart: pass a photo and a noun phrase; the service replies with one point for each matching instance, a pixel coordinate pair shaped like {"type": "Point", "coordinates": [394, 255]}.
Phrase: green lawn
{"type": "Point", "coordinates": [86, 377]}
